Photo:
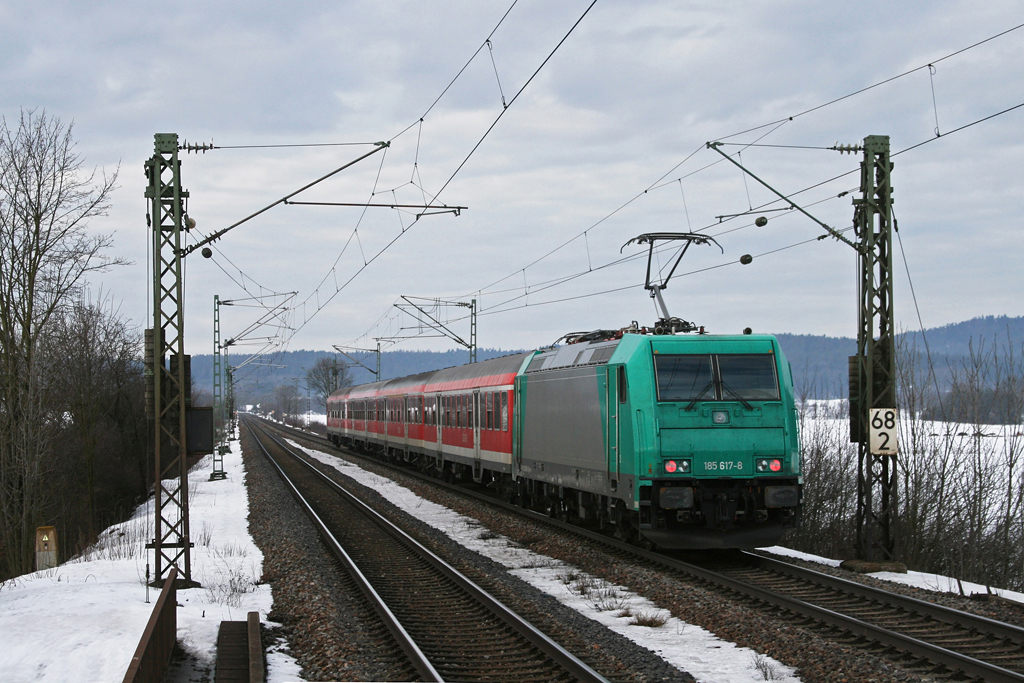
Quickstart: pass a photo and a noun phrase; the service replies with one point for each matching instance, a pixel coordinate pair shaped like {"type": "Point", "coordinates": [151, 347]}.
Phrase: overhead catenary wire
{"type": "Point", "coordinates": [641, 284]}
{"type": "Point", "coordinates": [405, 229]}
{"type": "Point", "coordinates": [502, 307]}
{"type": "Point", "coordinates": [774, 125]}
{"type": "Point", "coordinates": [459, 74]}
{"type": "Point", "coordinates": [920, 321]}
{"type": "Point", "coordinates": [333, 272]}
{"type": "Point", "coordinates": [779, 122]}
{"type": "Point", "coordinates": [515, 97]}
{"type": "Point", "coordinates": [535, 288]}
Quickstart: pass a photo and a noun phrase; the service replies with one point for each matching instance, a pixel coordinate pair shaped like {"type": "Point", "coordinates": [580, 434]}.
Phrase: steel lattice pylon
{"type": "Point", "coordinates": [472, 331]}
{"type": "Point", "coordinates": [873, 369]}
{"type": "Point", "coordinates": [230, 401]}
{"type": "Point", "coordinates": [218, 399]}
{"type": "Point", "coordinates": [169, 379]}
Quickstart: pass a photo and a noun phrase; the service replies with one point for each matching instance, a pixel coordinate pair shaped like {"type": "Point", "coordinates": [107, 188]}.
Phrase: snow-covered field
{"type": "Point", "coordinates": [82, 621]}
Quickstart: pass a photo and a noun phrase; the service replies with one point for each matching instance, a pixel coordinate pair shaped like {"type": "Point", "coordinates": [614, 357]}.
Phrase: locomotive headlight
{"type": "Point", "coordinates": [671, 466]}
{"type": "Point", "coordinates": [768, 465]}
{"type": "Point", "coordinates": [677, 466]}
{"type": "Point", "coordinates": [720, 417]}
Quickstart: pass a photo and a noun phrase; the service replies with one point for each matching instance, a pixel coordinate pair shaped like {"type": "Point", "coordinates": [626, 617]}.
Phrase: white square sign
{"type": "Point", "coordinates": [882, 430]}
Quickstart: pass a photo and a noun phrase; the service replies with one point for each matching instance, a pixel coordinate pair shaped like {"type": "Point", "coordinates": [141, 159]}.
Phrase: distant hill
{"type": "Point", "coordinates": [953, 339]}
{"type": "Point", "coordinates": [258, 380]}
{"type": "Point", "coordinates": [819, 363]}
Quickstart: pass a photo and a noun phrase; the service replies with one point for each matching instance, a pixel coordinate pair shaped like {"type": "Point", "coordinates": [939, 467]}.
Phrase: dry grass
{"type": "Point", "coordinates": [649, 619]}
{"type": "Point", "coordinates": [608, 599]}
{"type": "Point", "coordinates": [766, 668]}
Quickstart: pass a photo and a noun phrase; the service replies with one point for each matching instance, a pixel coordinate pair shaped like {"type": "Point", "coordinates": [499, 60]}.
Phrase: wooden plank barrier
{"type": "Point", "coordinates": [256, 671]}
{"type": "Point", "coordinates": [240, 652]}
{"type": "Point", "coordinates": [153, 654]}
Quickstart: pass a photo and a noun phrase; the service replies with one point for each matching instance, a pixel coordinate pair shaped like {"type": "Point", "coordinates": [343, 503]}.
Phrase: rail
{"type": "Point", "coordinates": [387, 617]}
{"type": "Point", "coordinates": [570, 663]}
{"type": "Point", "coordinates": [938, 612]}
{"type": "Point", "coordinates": [919, 648]}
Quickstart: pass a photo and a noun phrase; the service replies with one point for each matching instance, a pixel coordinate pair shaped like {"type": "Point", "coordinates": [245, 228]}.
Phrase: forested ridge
{"type": "Point", "coordinates": [819, 362]}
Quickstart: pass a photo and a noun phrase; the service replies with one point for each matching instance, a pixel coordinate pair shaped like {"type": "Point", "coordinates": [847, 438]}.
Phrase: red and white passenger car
{"type": "Point", "coordinates": [455, 417]}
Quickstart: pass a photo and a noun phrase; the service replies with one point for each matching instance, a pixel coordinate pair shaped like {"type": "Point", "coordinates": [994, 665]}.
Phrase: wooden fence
{"type": "Point", "coordinates": [154, 651]}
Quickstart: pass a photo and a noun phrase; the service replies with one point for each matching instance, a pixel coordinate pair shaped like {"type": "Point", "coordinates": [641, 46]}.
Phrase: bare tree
{"type": "Point", "coordinates": [830, 481]}
{"type": "Point", "coordinates": [286, 400]}
{"type": "Point", "coordinates": [46, 252]}
{"type": "Point", "coordinates": [326, 377]}
{"type": "Point", "coordinates": [98, 355]}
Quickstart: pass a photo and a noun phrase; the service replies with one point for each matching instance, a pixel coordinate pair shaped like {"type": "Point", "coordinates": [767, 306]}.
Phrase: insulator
{"type": "Point", "coordinates": [196, 147]}
{"type": "Point", "coordinates": [747, 330]}
{"type": "Point", "coordinates": [207, 252]}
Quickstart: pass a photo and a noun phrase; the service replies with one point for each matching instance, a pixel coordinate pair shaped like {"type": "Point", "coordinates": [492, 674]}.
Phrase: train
{"type": "Point", "coordinates": [668, 441]}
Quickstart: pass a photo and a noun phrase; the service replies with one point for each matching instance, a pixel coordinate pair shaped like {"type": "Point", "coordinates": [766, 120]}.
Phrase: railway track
{"type": "Point", "coordinates": [448, 628]}
{"type": "Point", "coordinates": [938, 639]}
{"type": "Point", "coordinates": [981, 647]}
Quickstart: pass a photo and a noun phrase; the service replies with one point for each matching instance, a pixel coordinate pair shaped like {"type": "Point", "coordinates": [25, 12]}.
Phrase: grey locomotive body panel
{"type": "Point", "coordinates": [563, 442]}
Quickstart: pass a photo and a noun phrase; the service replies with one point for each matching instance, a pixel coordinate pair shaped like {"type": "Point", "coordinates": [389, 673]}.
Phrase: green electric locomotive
{"type": "Point", "coordinates": [671, 439]}
{"type": "Point", "coordinates": [680, 441]}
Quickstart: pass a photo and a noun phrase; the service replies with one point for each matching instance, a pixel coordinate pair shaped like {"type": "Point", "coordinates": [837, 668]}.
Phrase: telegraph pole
{"type": "Point", "coordinates": [873, 369]}
{"type": "Point", "coordinates": [170, 380]}
{"type": "Point", "coordinates": [229, 372]}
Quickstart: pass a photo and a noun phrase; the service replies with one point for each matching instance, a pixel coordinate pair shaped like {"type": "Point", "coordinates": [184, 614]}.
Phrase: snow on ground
{"type": "Point", "coordinates": [932, 582]}
{"type": "Point", "coordinates": [787, 552]}
{"type": "Point", "coordinates": [82, 621]}
{"type": "Point", "coordinates": [685, 646]}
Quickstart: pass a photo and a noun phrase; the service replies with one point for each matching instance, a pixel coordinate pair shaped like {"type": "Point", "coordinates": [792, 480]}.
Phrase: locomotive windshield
{"type": "Point", "coordinates": [718, 377]}
{"type": "Point", "coordinates": [684, 378]}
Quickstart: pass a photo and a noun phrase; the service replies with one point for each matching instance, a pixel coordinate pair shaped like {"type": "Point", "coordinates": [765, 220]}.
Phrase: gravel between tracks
{"type": "Point", "coordinates": [321, 620]}
{"type": "Point", "coordinates": [330, 629]}
{"type": "Point", "coordinates": [818, 656]}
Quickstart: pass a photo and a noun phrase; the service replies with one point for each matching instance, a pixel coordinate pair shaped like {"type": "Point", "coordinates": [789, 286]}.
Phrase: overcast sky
{"type": "Point", "coordinates": [620, 108]}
